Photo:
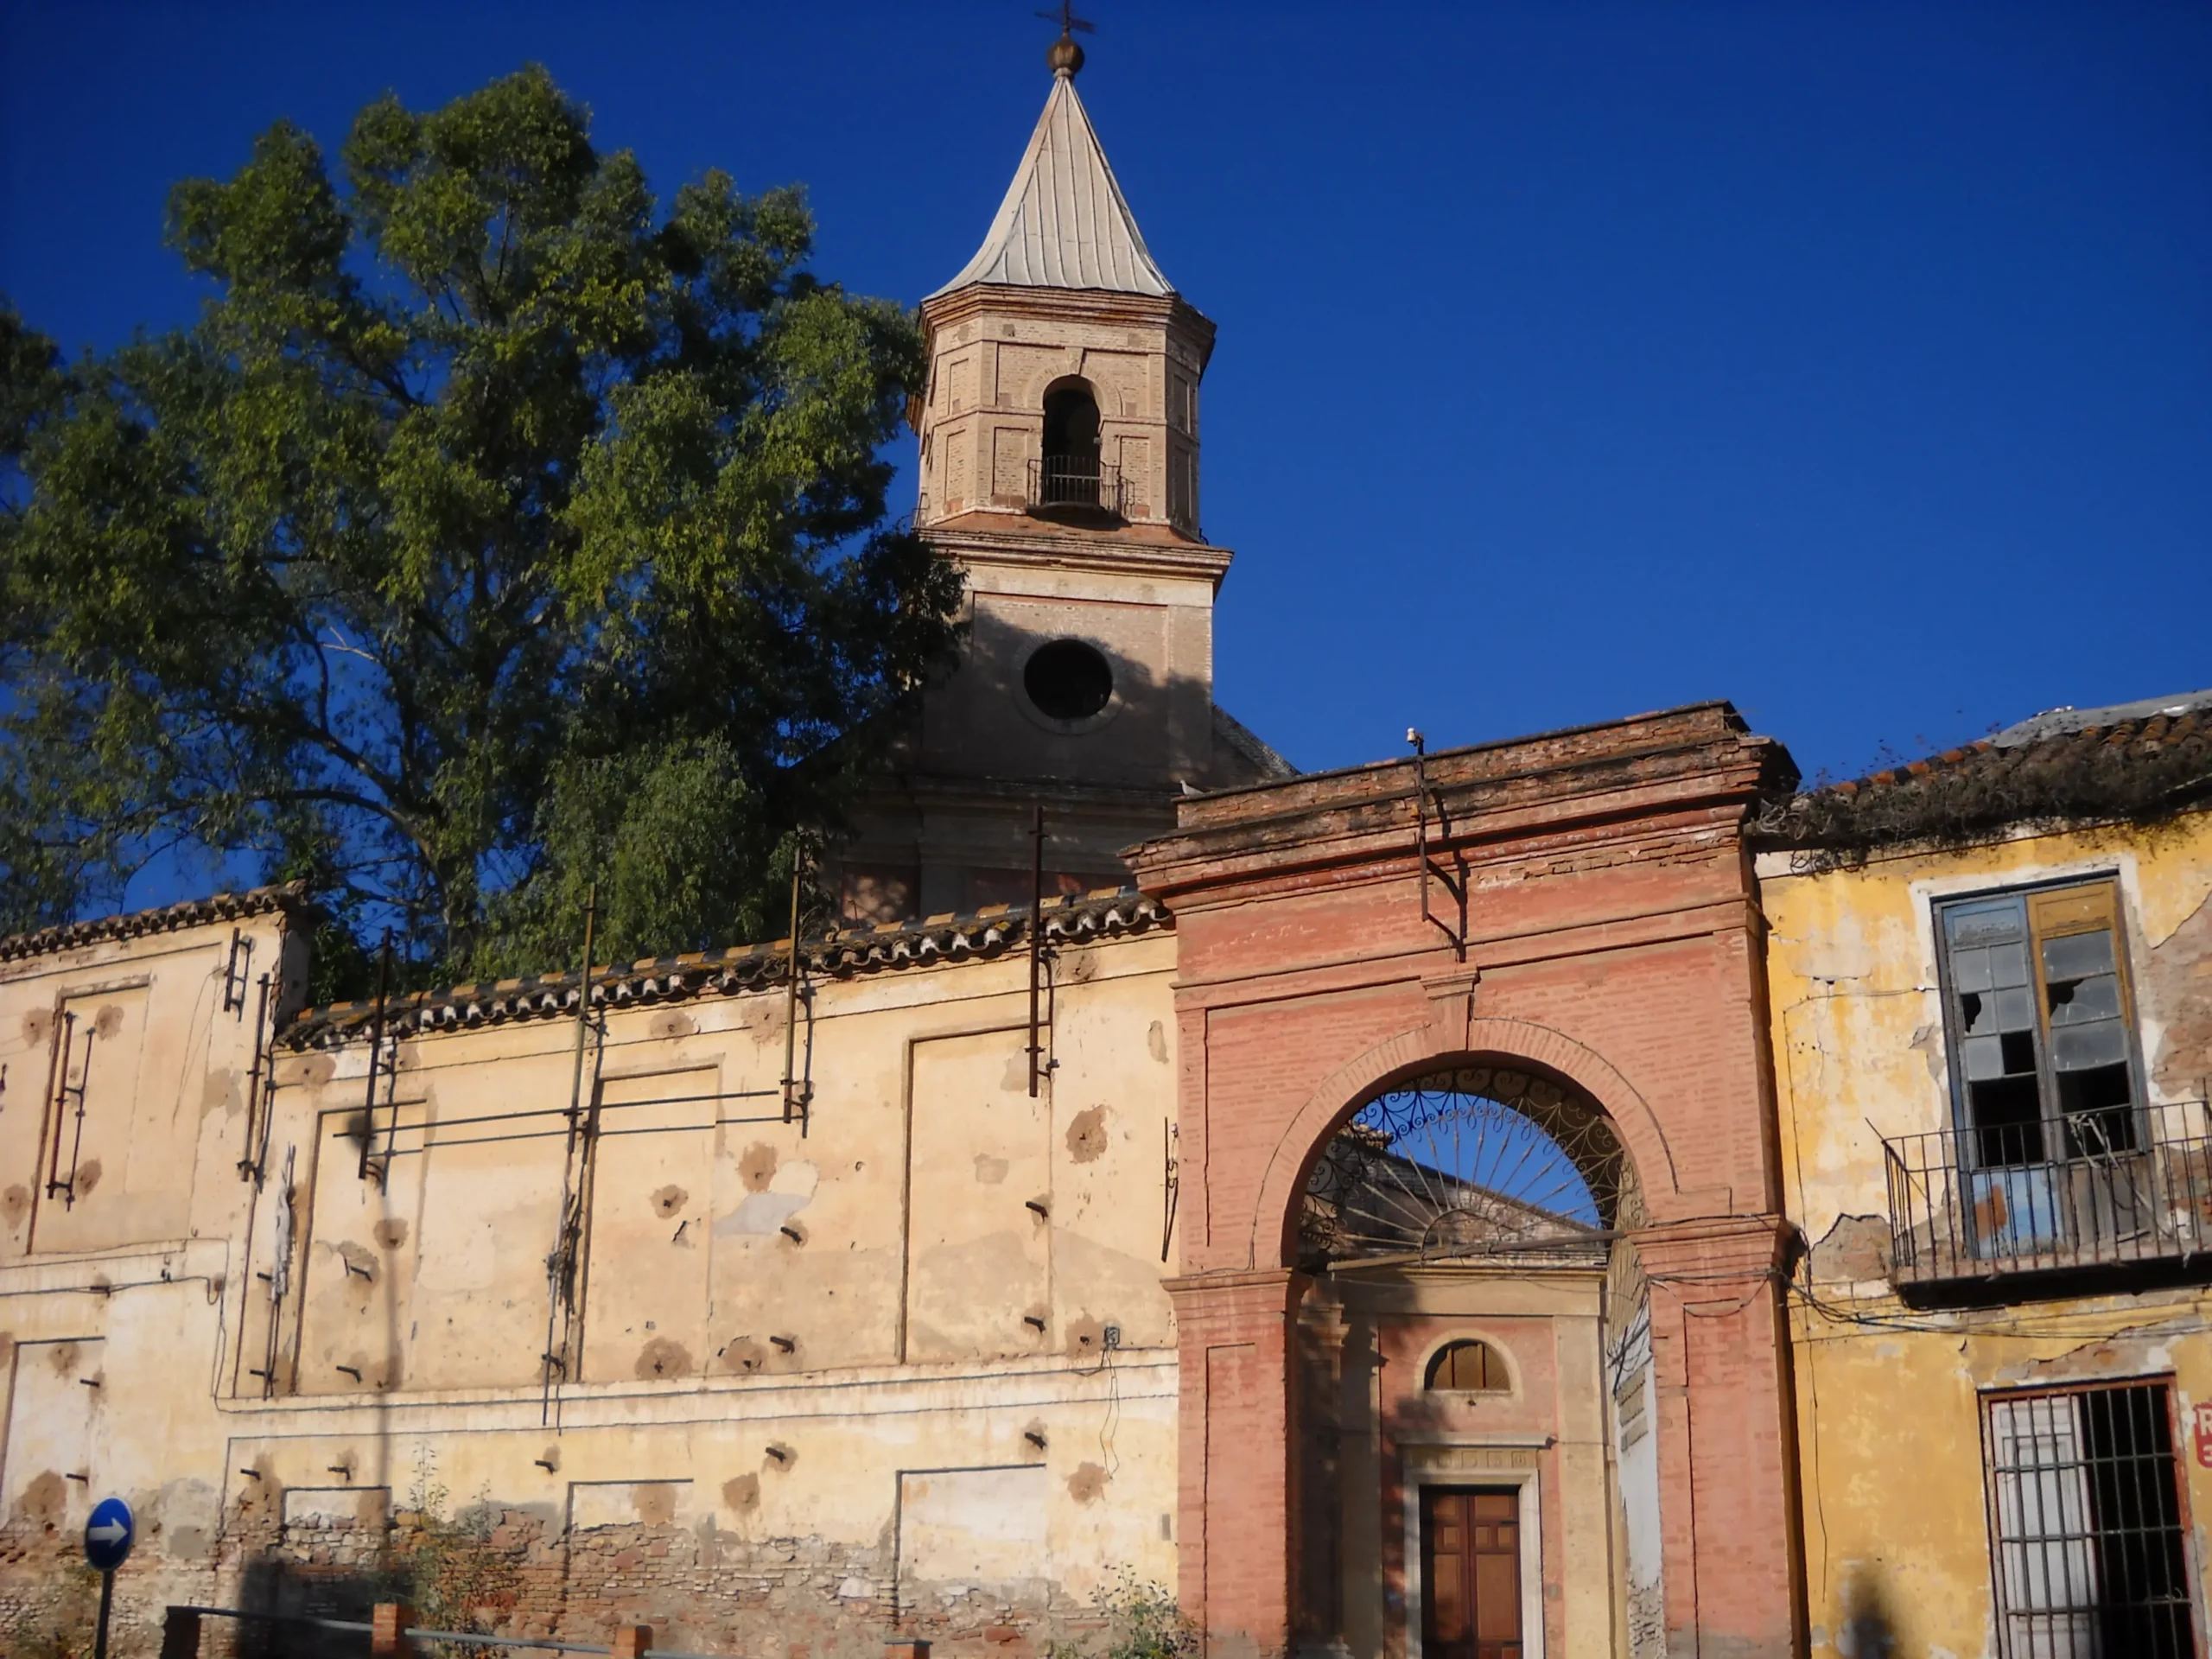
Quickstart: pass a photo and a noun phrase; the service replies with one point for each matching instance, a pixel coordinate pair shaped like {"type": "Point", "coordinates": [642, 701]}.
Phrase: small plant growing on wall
{"type": "Point", "coordinates": [1142, 1622]}
{"type": "Point", "coordinates": [448, 1567]}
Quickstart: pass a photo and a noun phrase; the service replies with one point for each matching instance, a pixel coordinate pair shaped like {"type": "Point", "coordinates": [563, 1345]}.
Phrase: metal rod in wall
{"type": "Point", "coordinates": [558, 1268]}
{"type": "Point", "coordinates": [250, 1162]}
{"type": "Point", "coordinates": [790, 983]}
{"type": "Point", "coordinates": [376, 1052]}
{"type": "Point", "coordinates": [583, 1009]}
{"type": "Point", "coordinates": [1457, 890]}
{"type": "Point", "coordinates": [77, 1146]}
{"type": "Point", "coordinates": [1421, 809]}
{"type": "Point", "coordinates": [1036, 943]}
{"type": "Point", "coordinates": [56, 1069]}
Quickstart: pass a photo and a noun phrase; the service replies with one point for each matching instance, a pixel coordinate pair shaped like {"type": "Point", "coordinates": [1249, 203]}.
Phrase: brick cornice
{"type": "Point", "coordinates": [1691, 774]}
{"type": "Point", "coordinates": [1061, 305]}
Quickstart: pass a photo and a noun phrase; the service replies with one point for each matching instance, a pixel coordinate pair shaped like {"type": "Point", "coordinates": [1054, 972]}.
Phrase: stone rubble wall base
{"type": "Point", "coordinates": [699, 1591]}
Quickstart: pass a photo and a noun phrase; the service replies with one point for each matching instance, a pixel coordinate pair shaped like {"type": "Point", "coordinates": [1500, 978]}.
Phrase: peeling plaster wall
{"type": "Point", "coordinates": [818, 1376]}
{"type": "Point", "coordinates": [1889, 1397]}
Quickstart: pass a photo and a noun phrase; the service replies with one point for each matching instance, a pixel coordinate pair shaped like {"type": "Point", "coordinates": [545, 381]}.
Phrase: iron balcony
{"type": "Point", "coordinates": [2109, 1189]}
{"type": "Point", "coordinates": [1081, 480]}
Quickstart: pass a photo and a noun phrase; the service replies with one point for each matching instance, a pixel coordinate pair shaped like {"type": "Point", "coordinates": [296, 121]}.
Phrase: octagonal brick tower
{"type": "Point", "coordinates": [1060, 471]}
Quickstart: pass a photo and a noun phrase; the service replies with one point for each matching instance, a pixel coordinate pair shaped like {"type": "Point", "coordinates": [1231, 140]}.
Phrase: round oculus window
{"type": "Point", "coordinates": [1068, 680]}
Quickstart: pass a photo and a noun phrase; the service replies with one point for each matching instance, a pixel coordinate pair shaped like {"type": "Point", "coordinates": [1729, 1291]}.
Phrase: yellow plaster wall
{"type": "Point", "coordinates": [408, 1336]}
{"type": "Point", "coordinates": [1889, 1396]}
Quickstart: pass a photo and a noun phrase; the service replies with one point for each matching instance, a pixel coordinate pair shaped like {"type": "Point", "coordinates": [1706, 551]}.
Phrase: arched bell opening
{"type": "Point", "coordinates": [1071, 472]}
{"type": "Point", "coordinates": [1456, 1216]}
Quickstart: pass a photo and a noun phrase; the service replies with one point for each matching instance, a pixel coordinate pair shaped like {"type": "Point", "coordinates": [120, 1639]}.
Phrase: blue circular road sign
{"type": "Point", "coordinates": [108, 1533]}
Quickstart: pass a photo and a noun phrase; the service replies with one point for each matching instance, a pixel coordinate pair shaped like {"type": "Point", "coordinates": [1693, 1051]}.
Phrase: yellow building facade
{"type": "Point", "coordinates": [1990, 1053]}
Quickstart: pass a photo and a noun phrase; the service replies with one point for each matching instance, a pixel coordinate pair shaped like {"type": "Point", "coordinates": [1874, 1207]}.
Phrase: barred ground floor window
{"type": "Point", "coordinates": [2086, 1523]}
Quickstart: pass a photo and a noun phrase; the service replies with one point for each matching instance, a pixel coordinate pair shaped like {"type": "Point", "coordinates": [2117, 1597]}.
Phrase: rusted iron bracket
{"type": "Point", "coordinates": [1453, 879]}
{"type": "Point", "coordinates": [797, 1090]}
{"type": "Point", "coordinates": [375, 1059]}
{"type": "Point", "coordinates": [1040, 960]}
{"type": "Point", "coordinates": [235, 974]}
{"type": "Point", "coordinates": [1171, 1140]}
{"type": "Point", "coordinates": [55, 1182]}
{"type": "Point", "coordinates": [259, 1086]}
{"type": "Point", "coordinates": [561, 1262]}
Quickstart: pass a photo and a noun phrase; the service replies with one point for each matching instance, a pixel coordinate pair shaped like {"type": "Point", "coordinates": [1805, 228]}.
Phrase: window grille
{"type": "Point", "coordinates": [2085, 1514]}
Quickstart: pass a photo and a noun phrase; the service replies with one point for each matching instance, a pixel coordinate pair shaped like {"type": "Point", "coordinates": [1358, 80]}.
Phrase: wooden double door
{"type": "Point", "coordinates": [1470, 1572]}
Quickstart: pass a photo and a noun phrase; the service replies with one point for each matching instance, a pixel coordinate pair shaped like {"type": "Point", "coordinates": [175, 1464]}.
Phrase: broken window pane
{"type": "Point", "coordinates": [2075, 1048]}
{"type": "Point", "coordinates": [2076, 955]}
{"type": "Point", "coordinates": [1984, 1057]}
{"type": "Point", "coordinates": [2073, 1001]}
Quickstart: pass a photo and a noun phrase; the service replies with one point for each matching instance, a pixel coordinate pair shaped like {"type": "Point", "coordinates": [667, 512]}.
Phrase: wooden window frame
{"type": "Point", "coordinates": [1497, 1375]}
{"type": "Point", "coordinates": [2050, 909]}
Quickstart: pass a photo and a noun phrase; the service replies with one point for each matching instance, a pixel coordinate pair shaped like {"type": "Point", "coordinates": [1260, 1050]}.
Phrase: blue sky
{"type": "Point", "coordinates": [1853, 362]}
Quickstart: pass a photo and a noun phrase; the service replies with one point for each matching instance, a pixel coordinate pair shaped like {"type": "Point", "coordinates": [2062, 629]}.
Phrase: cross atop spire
{"type": "Point", "coordinates": [1064, 55]}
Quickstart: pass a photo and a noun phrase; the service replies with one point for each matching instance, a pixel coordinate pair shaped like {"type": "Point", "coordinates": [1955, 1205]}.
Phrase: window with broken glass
{"type": "Point", "coordinates": [2043, 1052]}
{"type": "Point", "coordinates": [2040, 1016]}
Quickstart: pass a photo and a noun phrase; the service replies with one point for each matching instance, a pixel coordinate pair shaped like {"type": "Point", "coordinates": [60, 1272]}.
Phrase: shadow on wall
{"type": "Point", "coordinates": [456, 1573]}
{"type": "Point", "coordinates": [1088, 694]}
{"type": "Point", "coordinates": [1080, 716]}
{"type": "Point", "coordinates": [274, 1586]}
{"type": "Point", "coordinates": [1867, 1629]}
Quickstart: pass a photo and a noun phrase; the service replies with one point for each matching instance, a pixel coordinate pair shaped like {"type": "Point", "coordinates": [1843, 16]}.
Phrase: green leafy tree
{"type": "Point", "coordinates": [496, 531]}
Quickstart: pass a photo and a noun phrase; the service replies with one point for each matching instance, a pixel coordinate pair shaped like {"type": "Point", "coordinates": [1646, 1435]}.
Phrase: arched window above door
{"type": "Point", "coordinates": [1470, 1366]}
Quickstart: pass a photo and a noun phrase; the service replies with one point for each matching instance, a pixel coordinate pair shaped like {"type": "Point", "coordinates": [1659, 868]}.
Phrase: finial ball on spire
{"type": "Point", "coordinates": [1064, 55]}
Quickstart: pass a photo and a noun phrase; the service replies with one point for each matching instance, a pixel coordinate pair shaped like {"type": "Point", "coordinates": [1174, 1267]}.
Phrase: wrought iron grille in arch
{"type": "Point", "coordinates": [1473, 1161]}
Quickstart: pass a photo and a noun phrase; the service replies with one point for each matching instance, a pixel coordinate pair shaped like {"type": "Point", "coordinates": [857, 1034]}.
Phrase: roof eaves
{"type": "Point", "coordinates": [1110, 912]}
{"type": "Point", "coordinates": [2136, 768]}
{"type": "Point", "coordinates": [190, 913]}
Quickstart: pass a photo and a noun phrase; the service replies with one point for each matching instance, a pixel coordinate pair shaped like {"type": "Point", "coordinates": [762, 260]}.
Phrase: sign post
{"type": "Point", "coordinates": [108, 1536]}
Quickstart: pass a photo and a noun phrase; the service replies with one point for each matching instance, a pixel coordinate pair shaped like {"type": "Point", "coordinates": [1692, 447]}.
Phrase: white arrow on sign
{"type": "Point", "coordinates": [113, 1533]}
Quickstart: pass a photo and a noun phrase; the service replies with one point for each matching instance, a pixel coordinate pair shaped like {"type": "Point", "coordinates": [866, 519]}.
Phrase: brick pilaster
{"type": "Point", "coordinates": [1237, 1569]}
{"type": "Point", "coordinates": [1727, 1520]}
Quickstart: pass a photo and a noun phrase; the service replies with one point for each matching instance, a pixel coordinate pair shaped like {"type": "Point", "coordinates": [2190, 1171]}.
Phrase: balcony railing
{"type": "Point", "coordinates": [1076, 482]}
{"type": "Point", "coordinates": [2099, 1189]}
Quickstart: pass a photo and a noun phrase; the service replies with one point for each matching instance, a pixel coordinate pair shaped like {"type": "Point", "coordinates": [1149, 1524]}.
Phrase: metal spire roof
{"type": "Point", "coordinates": [1065, 222]}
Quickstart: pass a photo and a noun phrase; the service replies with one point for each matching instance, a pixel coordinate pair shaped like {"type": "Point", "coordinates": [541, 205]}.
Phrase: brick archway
{"type": "Point", "coordinates": [1454, 1042]}
{"type": "Point", "coordinates": [1609, 937]}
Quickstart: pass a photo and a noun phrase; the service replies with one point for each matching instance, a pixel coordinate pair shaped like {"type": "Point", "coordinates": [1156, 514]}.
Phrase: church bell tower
{"type": "Point", "coordinates": [1059, 474]}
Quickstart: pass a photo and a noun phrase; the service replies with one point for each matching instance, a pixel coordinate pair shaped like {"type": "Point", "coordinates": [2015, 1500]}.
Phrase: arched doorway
{"type": "Point", "coordinates": [1472, 1301]}
{"type": "Point", "coordinates": [1581, 902]}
